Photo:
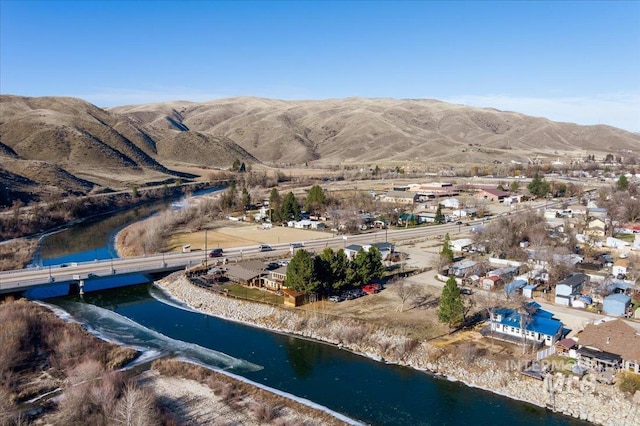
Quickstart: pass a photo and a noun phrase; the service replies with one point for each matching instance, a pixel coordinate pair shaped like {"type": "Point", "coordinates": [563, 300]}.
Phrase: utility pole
{"type": "Point", "coordinates": [206, 254]}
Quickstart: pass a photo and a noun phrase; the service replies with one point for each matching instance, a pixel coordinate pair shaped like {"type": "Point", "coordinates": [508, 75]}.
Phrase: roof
{"type": "Point", "coordinates": [292, 293]}
{"type": "Point", "coordinates": [495, 191]}
{"type": "Point", "coordinates": [618, 297]}
{"type": "Point", "coordinates": [601, 355]}
{"type": "Point", "coordinates": [514, 285]}
{"type": "Point", "coordinates": [624, 263]}
{"type": "Point", "coordinates": [540, 321]}
{"type": "Point", "coordinates": [493, 278]}
{"type": "Point", "coordinates": [613, 336]}
{"type": "Point", "coordinates": [400, 194]}
{"type": "Point", "coordinates": [566, 343]}
{"type": "Point", "coordinates": [238, 271]}
{"type": "Point", "coordinates": [574, 280]}
{"type": "Point", "coordinates": [383, 246]}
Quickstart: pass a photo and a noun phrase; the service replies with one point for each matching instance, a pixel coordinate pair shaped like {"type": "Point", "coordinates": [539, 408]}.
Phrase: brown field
{"type": "Point", "coordinates": [242, 235]}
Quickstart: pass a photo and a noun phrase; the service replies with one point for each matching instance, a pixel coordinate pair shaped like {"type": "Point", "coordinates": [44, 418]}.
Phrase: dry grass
{"type": "Point", "coordinates": [240, 396]}
{"type": "Point", "coordinates": [16, 254]}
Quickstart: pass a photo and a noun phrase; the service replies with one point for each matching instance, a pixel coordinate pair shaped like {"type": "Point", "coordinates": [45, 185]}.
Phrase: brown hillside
{"type": "Point", "coordinates": [67, 145]}
{"type": "Point", "coordinates": [370, 130]}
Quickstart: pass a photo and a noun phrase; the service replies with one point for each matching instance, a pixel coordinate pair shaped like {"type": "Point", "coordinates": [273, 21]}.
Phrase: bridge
{"type": "Point", "coordinates": [25, 279]}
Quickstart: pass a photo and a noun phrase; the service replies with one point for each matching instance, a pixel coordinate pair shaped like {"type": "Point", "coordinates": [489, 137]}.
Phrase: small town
{"type": "Point", "coordinates": [319, 213]}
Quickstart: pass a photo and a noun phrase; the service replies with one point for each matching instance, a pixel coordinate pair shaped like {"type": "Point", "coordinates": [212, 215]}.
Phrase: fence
{"type": "Point", "coordinates": [545, 353]}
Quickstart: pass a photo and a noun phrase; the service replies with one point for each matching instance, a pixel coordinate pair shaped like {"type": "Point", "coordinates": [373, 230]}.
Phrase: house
{"type": "Point", "coordinates": [426, 217]}
{"type": "Point", "coordinates": [616, 304]}
{"type": "Point", "coordinates": [385, 249]}
{"type": "Point", "coordinates": [609, 344]}
{"type": "Point", "coordinates": [400, 197]}
{"type": "Point", "coordinates": [616, 243]}
{"type": "Point", "coordinates": [292, 298]}
{"type": "Point", "coordinates": [490, 194]}
{"type": "Point", "coordinates": [537, 325]}
{"type": "Point", "coordinates": [596, 228]}
{"type": "Point", "coordinates": [506, 274]}
{"type": "Point", "coordinates": [566, 347]}
{"type": "Point", "coordinates": [463, 244]}
{"type": "Point", "coordinates": [452, 203]}
{"type": "Point", "coordinates": [620, 267]}
{"type": "Point", "coordinates": [275, 279]}
{"type": "Point", "coordinates": [306, 224]}
{"type": "Point", "coordinates": [463, 269]}
{"type": "Point", "coordinates": [247, 273]}
{"type": "Point", "coordinates": [491, 282]}
{"type": "Point", "coordinates": [527, 291]}
{"type": "Point", "coordinates": [514, 286]}
{"type": "Point", "coordinates": [570, 288]}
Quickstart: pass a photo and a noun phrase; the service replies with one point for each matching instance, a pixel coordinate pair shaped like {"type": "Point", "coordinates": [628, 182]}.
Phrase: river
{"type": "Point", "coordinates": [144, 317]}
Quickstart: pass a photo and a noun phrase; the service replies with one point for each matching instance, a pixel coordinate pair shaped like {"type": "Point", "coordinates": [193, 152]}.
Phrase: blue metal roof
{"type": "Point", "coordinates": [540, 321]}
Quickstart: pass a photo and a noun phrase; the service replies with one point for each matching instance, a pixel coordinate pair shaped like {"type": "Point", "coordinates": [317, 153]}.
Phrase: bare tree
{"type": "Point", "coordinates": [404, 291]}
{"type": "Point", "coordinates": [136, 407]}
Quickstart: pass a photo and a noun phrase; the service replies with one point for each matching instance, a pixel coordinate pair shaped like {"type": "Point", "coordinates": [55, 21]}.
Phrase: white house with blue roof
{"type": "Point", "coordinates": [537, 324]}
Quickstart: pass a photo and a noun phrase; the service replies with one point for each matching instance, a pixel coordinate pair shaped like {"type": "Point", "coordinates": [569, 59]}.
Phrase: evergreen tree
{"type": "Point", "coordinates": [290, 208]}
{"type": "Point", "coordinates": [623, 183]}
{"type": "Point", "coordinates": [300, 273]}
{"type": "Point", "coordinates": [366, 266]}
{"type": "Point", "coordinates": [446, 253]}
{"type": "Point", "coordinates": [274, 205]}
{"type": "Point", "coordinates": [315, 199]}
{"type": "Point", "coordinates": [439, 216]}
{"type": "Point", "coordinates": [538, 187]}
{"type": "Point", "coordinates": [515, 186]}
{"type": "Point", "coordinates": [451, 307]}
{"type": "Point", "coordinates": [338, 264]}
{"type": "Point", "coordinates": [236, 165]}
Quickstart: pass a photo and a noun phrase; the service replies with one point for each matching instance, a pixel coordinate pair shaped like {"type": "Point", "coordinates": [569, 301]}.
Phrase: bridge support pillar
{"type": "Point", "coordinates": [81, 287]}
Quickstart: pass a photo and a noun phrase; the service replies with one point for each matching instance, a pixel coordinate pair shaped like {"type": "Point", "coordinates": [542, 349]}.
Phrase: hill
{"type": "Point", "coordinates": [67, 145]}
{"type": "Point", "coordinates": [376, 130]}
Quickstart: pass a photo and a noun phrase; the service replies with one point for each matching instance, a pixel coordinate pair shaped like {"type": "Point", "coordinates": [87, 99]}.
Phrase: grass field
{"type": "Point", "coordinates": [253, 294]}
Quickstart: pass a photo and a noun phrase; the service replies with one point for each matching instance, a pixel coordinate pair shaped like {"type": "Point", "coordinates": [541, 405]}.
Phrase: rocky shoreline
{"type": "Point", "coordinates": [584, 399]}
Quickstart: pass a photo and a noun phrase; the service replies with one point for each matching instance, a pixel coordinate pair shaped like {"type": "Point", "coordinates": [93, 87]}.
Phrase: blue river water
{"type": "Point", "coordinates": [361, 388]}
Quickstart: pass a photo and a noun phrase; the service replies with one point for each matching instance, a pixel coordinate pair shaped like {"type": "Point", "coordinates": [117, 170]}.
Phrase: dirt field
{"type": "Point", "coordinates": [240, 234]}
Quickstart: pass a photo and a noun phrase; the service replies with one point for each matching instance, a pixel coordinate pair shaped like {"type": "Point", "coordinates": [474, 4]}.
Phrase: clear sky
{"type": "Point", "coordinates": [568, 61]}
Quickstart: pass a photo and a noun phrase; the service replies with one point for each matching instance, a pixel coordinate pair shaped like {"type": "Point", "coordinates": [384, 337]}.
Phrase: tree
{"type": "Point", "coordinates": [315, 199]}
{"type": "Point", "coordinates": [515, 186]}
{"type": "Point", "coordinates": [451, 307]}
{"type": "Point", "coordinates": [404, 291]}
{"type": "Point", "coordinates": [538, 187]}
{"type": "Point", "coordinates": [301, 274]}
{"type": "Point", "coordinates": [338, 264]}
{"type": "Point", "coordinates": [439, 216]}
{"type": "Point", "coordinates": [623, 183]}
{"type": "Point", "coordinates": [274, 205]}
{"type": "Point", "coordinates": [246, 198]}
{"type": "Point", "coordinates": [236, 165]}
{"type": "Point", "coordinates": [446, 254]}
{"type": "Point", "coordinates": [365, 267]}
{"type": "Point", "coordinates": [290, 209]}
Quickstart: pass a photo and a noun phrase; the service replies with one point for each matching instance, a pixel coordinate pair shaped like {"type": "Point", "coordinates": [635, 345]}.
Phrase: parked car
{"type": "Point", "coordinates": [335, 299]}
{"type": "Point", "coordinates": [466, 291]}
{"type": "Point", "coordinates": [216, 253]}
{"type": "Point", "coordinates": [264, 247]}
{"type": "Point", "coordinates": [297, 245]}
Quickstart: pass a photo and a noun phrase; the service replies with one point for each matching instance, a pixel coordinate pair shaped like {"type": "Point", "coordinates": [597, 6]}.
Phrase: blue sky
{"type": "Point", "coordinates": [568, 61]}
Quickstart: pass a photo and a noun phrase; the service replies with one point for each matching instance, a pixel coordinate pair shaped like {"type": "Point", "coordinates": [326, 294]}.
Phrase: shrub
{"type": "Point", "coordinates": [629, 382]}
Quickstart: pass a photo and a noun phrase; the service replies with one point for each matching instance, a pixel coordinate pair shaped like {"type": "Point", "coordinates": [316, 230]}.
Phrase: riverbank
{"type": "Point", "coordinates": [579, 398]}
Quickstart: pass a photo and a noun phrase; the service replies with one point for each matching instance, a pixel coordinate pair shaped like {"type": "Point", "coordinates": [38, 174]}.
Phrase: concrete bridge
{"type": "Point", "coordinates": [26, 279]}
